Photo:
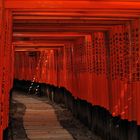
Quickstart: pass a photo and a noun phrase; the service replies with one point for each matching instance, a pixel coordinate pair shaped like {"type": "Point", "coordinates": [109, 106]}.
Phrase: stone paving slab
{"type": "Point", "coordinates": [40, 121]}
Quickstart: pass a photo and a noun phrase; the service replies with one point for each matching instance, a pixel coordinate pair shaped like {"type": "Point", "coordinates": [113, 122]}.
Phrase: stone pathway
{"type": "Point", "coordinates": [39, 120]}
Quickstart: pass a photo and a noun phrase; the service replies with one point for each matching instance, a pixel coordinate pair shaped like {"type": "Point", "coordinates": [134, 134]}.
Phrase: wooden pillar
{"type": "Point", "coordinates": [6, 55]}
{"type": "Point", "coordinates": [1, 64]}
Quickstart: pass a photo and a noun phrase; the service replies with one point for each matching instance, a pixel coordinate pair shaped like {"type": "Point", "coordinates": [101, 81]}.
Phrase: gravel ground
{"type": "Point", "coordinates": [17, 131]}
{"type": "Point", "coordinates": [74, 126]}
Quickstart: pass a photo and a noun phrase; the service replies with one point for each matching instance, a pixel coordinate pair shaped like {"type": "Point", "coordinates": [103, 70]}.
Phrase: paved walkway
{"type": "Point", "coordinates": [40, 121]}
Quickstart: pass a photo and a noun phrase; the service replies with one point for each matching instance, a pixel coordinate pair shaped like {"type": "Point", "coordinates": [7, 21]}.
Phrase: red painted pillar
{"type": "Point", "coordinates": [1, 65]}
{"type": "Point", "coordinates": [5, 65]}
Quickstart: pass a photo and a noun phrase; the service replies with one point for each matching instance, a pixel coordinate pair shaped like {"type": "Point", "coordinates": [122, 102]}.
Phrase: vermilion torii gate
{"type": "Point", "coordinates": [26, 23]}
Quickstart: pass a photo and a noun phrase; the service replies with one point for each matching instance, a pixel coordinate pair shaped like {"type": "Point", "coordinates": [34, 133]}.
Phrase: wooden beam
{"type": "Point", "coordinates": [96, 17]}
{"type": "Point", "coordinates": [70, 28]}
{"type": "Point", "coordinates": [40, 34]}
{"type": "Point", "coordinates": [77, 15]}
{"type": "Point", "coordinates": [35, 45]}
{"type": "Point", "coordinates": [89, 12]}
{"type": "Point", "coordinates": [17, 49]}
{"type": "Point", "coordinates": [63, 4]}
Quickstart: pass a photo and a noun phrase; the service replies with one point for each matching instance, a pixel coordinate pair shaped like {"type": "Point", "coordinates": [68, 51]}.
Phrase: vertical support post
{"type": "Point", "coordinates": [108, 69]}
{"type": "Point", "coordinates": [1, 64]}
{"type": "Point", "coordinates": [5, 65]}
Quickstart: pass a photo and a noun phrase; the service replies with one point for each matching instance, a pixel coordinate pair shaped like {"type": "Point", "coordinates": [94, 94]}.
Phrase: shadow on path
{"type": "Point", "coordinates": [72, 125]}
{"type": "Point", "coordinates": [17, 130]}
